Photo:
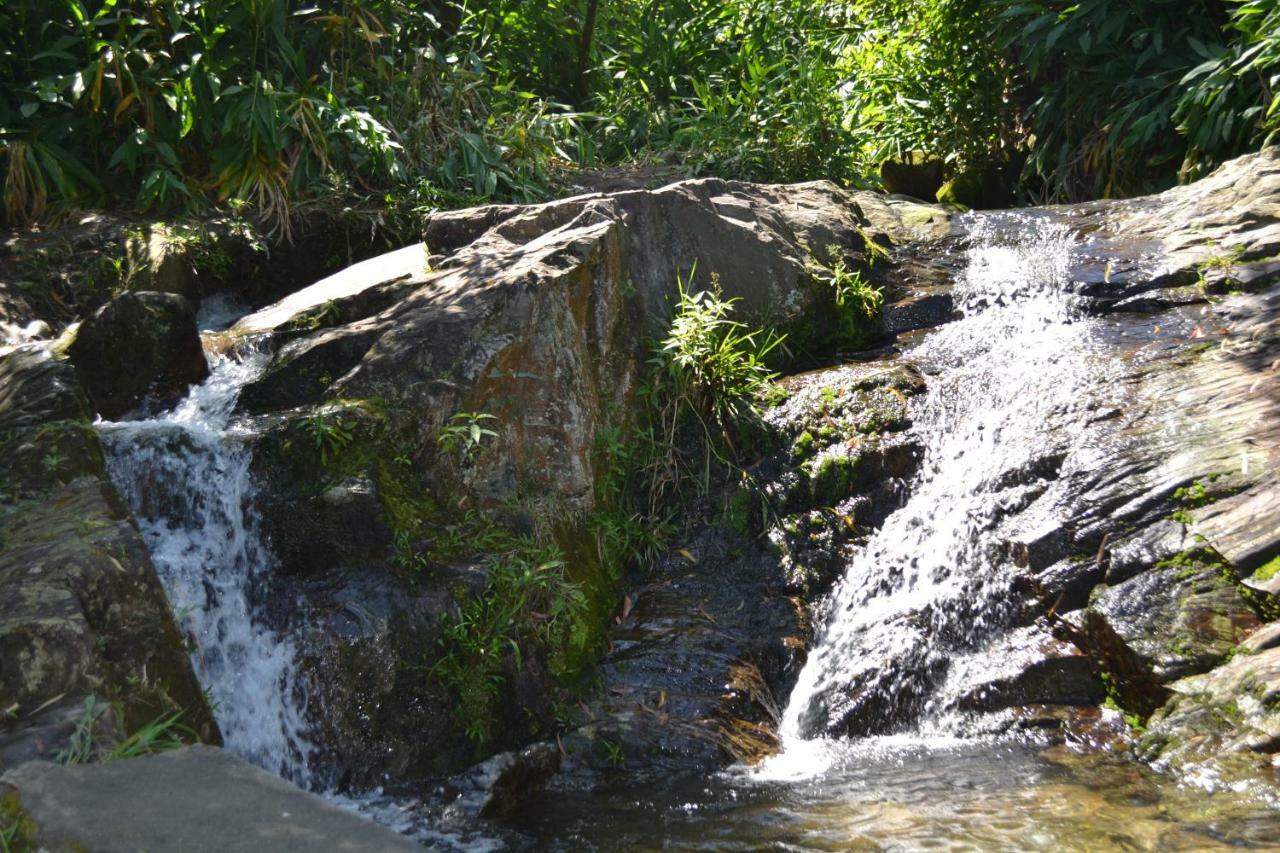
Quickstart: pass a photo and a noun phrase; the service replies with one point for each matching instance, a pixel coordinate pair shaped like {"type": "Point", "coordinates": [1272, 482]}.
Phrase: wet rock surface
{"type": "Point", "coordinates": [82, 612]}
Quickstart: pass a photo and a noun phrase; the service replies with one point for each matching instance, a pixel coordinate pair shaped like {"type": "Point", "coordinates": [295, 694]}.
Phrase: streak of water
{"type": "Point", "coordinates": [933, 583]}
{"type": "Point", "coordinates": [185, 474]}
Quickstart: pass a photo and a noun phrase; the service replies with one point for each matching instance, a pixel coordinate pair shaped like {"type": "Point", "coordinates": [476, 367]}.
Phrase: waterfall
{"type": "Point", "coordinates": [907, 628]}
{"type": "Point", "coordinates": [185, 474]}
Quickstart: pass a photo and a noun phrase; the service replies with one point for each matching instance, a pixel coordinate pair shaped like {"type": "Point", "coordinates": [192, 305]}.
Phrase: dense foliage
{"type": "Point", "coordinates": [271, 104]}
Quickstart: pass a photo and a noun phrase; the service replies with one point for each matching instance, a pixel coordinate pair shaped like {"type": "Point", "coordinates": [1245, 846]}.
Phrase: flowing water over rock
{"type": "Point", "coordinates": [185, 474]}
{"type": "Point", "coordinates": [932, 585]}
{"type": "Point", "coordinates": [904, 730]}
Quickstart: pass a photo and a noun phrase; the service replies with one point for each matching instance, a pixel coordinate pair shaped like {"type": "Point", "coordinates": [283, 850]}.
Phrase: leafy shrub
{"type": "Point", "coordinates": [529, 606]}
{"type": "Point", "coordinates": [710, 367]}
{"type": "Point", "coordinates": [927, 77]}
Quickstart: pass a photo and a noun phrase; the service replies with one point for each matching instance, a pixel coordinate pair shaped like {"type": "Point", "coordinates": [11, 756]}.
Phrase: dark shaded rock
{"type": "Point", "coordinates": [81, 609]}
{"type": "Point", "coordinates": [918, 310]}
{"type": "Point", "coordinates": [1030, 667]}
{"type": "Point", "coordinates": [138, 347]}
{"type": "Point", "coordinates": [211, 799]}
{"type": "Point", "coordinates": [319, 497]}
{"type": "Point", "coordinates": [45, 437]}
{"type": "Point", "coordinates": [366, 638]}
{"type": "Point", "coordinates": [699, 663]}
{"type": "Point", "coordinates": [503, 784]}
{"type": "Point", "coordinates": [82, 612]}
{"type": "Point", "coordinates": [304, 369]}
{"type": "Point", "coordinates": [916, 175]}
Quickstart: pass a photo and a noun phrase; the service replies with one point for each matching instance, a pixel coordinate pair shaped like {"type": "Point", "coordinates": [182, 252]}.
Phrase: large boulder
{"type": "Point", "coordinates": [139, 347]}
{"type": "Point", "coordinates": [82, 612]}
{"type": "Point", "coordinates": [205, 800]}
{"type": "Point", "coordinates": [540, 316]}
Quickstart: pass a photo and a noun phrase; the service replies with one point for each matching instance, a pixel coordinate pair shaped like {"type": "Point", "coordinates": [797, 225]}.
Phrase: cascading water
{"type": "Point", "coordinates": [906, 628]}
{"type": "Point", "coordinates": [185, 474]}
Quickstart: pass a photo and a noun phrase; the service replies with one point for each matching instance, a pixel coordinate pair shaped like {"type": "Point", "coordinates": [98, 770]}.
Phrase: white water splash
{"type": "Point", "coordinates": [185, 474]}
{"type": "Point", "coordinates": [932, 585]}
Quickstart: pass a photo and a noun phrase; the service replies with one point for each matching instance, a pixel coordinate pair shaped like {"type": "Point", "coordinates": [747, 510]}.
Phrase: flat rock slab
{"type": "Point", "coordinates": [194, 799]}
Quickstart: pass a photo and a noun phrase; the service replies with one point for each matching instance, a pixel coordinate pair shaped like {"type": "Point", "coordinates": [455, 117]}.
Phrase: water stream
{"type": "Point", "coordinates": [185, 474]}
{"type": "Point", "coordinates": [879, 749]}
{"type": "Point", "coordinates": [907, 631]}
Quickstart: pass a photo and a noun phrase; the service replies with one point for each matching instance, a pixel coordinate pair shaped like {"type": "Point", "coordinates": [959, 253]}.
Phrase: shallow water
{"type": "Point", "coordinates": [900, 793]}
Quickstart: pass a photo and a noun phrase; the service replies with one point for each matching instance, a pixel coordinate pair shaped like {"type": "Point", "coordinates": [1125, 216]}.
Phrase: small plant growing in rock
{"type": "Point", "coordinates": [711, 367]}
{"type": "Point", "coordinates": [330, 436]}
{"type": "Point", "coordinates": [858, 302]}
{"type": "Point", "coordinates": [530, 605]}
{"type": "Point", "coordinates": [465, 433]}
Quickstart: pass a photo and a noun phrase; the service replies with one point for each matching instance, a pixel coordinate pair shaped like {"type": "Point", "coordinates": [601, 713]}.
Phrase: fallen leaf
{"type": "Point", "coordinates": [1197, 332]}
{"type": "Point", "coordinates": [706, 615]}
{"type": "Point", "coordinates": [1156, 330]}
{"type": "Point", "coordinates": [662, 699]}
{"type": "Point", "coordinates": [626, 608]}
{"type": "Point", "coordinates": [1106, 273]}
{"type": "Point", "coordinates": [687, 554]}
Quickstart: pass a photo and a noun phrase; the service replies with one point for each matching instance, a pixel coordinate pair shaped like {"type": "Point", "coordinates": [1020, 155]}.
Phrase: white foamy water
{"type": "Point", "coordinates": [185, 474]}
{"type": "Point", "coordinates": [907, 628]}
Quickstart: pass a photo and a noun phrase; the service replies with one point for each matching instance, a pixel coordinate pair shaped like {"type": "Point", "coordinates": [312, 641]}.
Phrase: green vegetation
{"type": "Point", "coordinates": [274, 107]}
{"type": "Point", "coordinates": [709, 369]}
{"type": "Point", "coordinates": [464, 434]}
{"type": "Point", "coordinates": [529, 607]}
{"type": "Point", "coordinates": [161, 734]}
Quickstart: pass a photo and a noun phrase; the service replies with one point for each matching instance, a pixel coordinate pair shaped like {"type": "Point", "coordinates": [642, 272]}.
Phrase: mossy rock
{"type": "Point", "coordinates": [983, 187]}
{"type": "Point", "coordinates": [916, 174]}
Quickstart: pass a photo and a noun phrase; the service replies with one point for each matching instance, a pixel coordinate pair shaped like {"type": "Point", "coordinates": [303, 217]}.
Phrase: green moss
{"type": "Point", "coordinates": [803, 447]}
{"type": "Point", "coordinates": [738, 511]}
{"type": "Point", "coordinates": [1268, 571]}
{"type": "Point", "coordinates": [18, 832]}
{"type": "Point", "coordinates": [833, 477]}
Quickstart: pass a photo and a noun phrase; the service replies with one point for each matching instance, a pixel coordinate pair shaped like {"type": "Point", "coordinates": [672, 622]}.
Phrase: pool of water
{"type": "Point", "coordinates": [904, 794]}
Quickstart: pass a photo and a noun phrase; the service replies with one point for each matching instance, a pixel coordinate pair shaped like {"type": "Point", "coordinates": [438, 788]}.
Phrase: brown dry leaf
{"type": "Point", "coordinates": [703, 611]}
{"type": "Point", "coordinates": [626, 608]}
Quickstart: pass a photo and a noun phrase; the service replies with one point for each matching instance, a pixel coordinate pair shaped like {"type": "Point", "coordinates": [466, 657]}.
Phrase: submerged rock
{"type": "Point", "coordinates": [138, 347]}
{"type": "Point", "coordinates": [505, 783]}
